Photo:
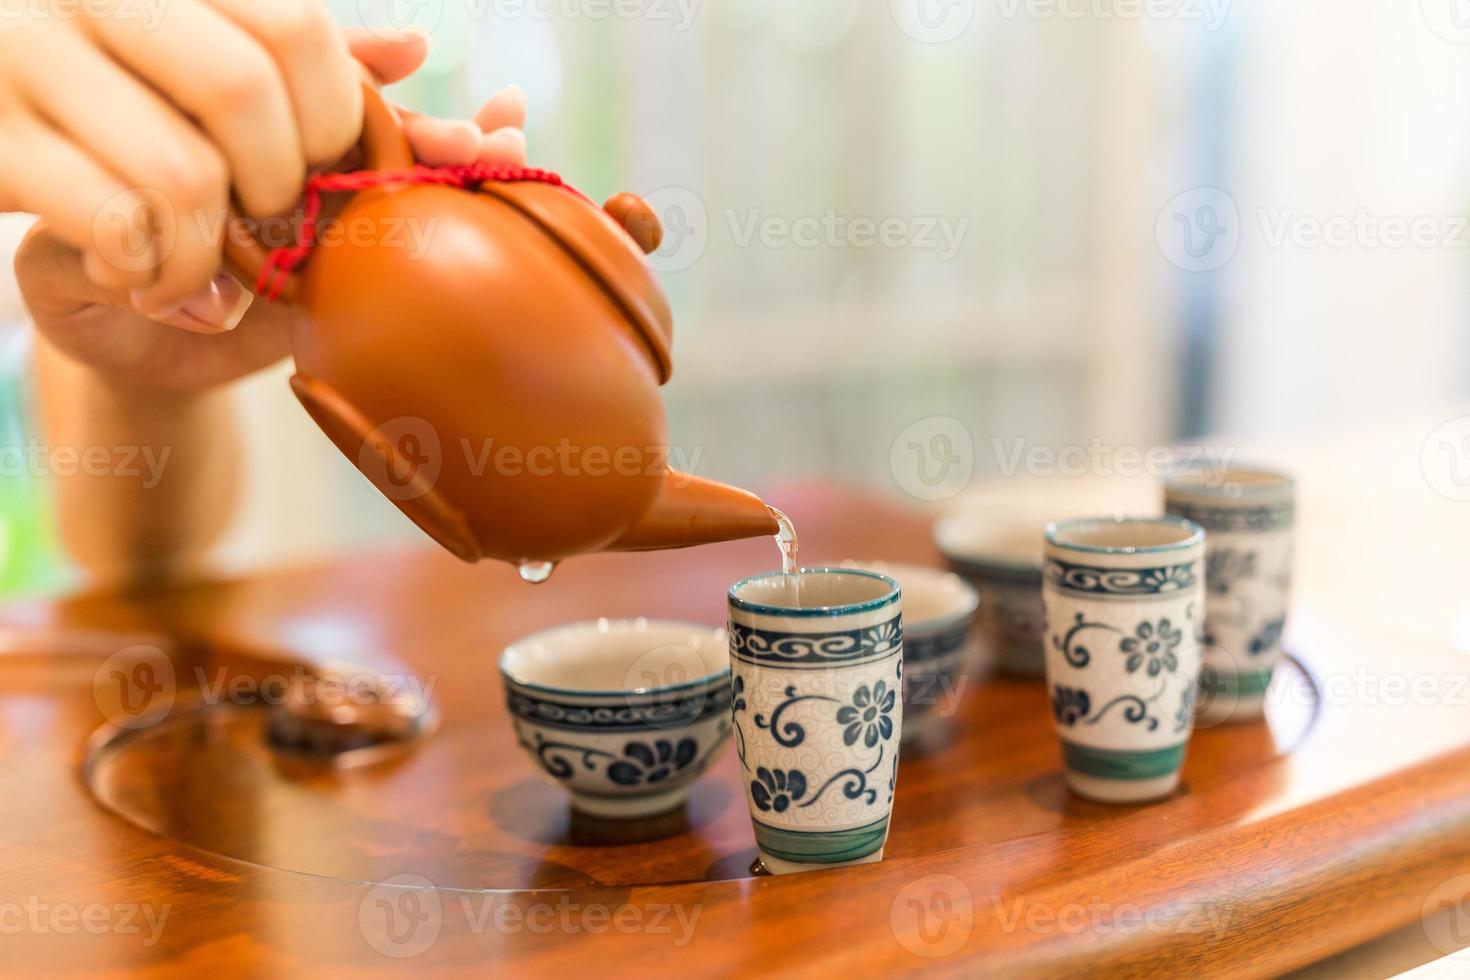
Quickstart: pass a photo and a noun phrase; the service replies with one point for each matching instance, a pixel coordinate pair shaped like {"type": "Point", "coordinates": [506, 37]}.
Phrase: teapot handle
{"type": "Point", "coordinates": [384, 147]}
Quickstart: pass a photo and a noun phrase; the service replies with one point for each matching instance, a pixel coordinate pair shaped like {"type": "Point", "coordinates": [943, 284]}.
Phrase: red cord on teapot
{"type": "Point", "coordinates": [284, 261]}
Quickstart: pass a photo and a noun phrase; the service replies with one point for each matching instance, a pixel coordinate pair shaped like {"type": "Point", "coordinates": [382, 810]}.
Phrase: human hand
{"type": "Point", "coordinates": [91, 111]}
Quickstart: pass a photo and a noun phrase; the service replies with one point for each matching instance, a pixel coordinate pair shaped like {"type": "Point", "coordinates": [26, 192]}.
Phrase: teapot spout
{"type": "Point", "coordinates": [690, 511]}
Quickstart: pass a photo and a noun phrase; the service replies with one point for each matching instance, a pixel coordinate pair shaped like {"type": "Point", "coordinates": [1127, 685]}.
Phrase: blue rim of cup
{"type": "Point", "coordinates": [1275, 484]}
{"type": "Point", "coordinates": [705, 681]}
{"type": "Point", "coordinates": [1196, 534]}
{"type": "Point", "coordinates": [847, 609]}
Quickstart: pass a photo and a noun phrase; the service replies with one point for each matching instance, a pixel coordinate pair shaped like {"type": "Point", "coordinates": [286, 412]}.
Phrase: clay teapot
{"type": "Point", "coordinates": [499, 383]}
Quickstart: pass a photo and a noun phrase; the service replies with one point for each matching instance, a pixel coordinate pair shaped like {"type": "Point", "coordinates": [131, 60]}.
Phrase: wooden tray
{"type": "Point", "coordinates": [1342, 818]}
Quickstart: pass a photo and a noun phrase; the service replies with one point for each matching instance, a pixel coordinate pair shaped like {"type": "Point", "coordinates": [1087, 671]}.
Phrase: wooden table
{"type": "Point", "coordinates": [1343, 818]}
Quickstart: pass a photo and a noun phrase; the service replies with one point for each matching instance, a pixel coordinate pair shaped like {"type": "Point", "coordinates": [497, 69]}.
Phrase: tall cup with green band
{"type": "Point", "coordinates": [1125, 615]}
{"type": "Point", "coordinates": [817, 712]}
{"type": "Point", "coordinates": [1250, 516]}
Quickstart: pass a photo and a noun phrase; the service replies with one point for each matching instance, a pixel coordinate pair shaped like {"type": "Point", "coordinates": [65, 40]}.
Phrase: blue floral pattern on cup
{"type": "Point", "coordinates": [1153, 644]}
{"type": "Point", "coordinates": [1070, 705]}
{"type": "Point", "coordinates": [640, 763]}
{"type": "Point", "coordinates": [776, 789]}
{"type": "Point", "coordinates": [652, 764]}
{"type": "Point", "coordinates": [1150, 649]}
{"type": "Point", "coordinates": [869, 715]}
{"type": "Point", "coordinates": [621, 753]}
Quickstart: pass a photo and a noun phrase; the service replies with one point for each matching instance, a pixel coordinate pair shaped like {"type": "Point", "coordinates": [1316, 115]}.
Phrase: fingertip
{"type": "Point", "coordinates": [505, 108]}
{"type": "Point", "coordinates": [390, 54]}
{"type": "Point", "coordinates": [443, 143]}
{"type": "Point", "coordinates": [216, 308]}
{"type": "Point", "coordinates": [186, 273]}
{"type": "Point", "coordinates": [506, 147]}
{"type": "Point", "coordinates": [415, 34]}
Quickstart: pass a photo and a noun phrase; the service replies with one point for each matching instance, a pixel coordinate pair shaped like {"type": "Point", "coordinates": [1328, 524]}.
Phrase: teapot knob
{"type": "Point", "coordinates": [637, 219]}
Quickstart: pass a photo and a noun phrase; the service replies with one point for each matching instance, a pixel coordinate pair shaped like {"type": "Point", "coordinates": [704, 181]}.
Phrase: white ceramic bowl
{"type": "Point", "coordinates": [938, 630]}
{"type": "Point", "coordinates": [1003, 563]}
{"type": "Point", "coordinates": [625, 714]}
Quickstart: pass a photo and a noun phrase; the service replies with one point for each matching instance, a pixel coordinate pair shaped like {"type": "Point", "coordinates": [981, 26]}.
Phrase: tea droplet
{"type": "Point", "coordinates": [536, 572]}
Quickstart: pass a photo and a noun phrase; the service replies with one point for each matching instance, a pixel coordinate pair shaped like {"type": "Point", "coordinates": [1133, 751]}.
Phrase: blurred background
{"type": "Point", "coordinates": [952, 228]}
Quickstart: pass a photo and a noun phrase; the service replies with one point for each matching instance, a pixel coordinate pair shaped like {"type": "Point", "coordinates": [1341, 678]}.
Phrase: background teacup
{"type": "Point", "coordinates": [817, 712]}
{"type": "Point", "coordinates": [1249, 515]}
{"type": "Point", "coordinates": [1003, 564]}
{"type": "Point", "coordinates": [938, 641]}
{"type": "Point", "coordinates": [625, 714]}
{"type": "Point", "coordinates": [992, 538]}
{"type": "Point", "coordinates": [1124, 611]}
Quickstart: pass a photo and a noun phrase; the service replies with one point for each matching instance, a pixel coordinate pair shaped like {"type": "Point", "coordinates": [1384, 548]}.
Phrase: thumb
{"type": "Point", "coordinates": [217, 308]}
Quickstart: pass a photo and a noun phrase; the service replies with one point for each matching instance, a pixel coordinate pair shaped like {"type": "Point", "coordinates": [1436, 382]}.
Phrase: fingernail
{"type": "Point", "coordinates": [217, 308]}
{"type": "Point", "coordinates": [418, 32]}
{"type": "Point", "coordinates": [459, 143]}
{"type": "Point", "coordinates": [505, 145]}
{"type": "Point", "coordinates": [509, 135]}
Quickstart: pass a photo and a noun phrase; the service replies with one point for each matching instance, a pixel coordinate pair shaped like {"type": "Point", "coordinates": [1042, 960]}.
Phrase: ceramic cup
{"type": "Point", "coordinates": [817, 712]}
{"type": "Point", "coordinates": [624, 714]}
{"type": "Point", "coordinates": [1249, 515]}
{"type": "Point", "coordinates": [1124, 611]}
{"type": "Point", "coordinates": [938, 642]}
{"type": "Point", "coordinates": [1003, 564]}
{"type": "Point", "coordinates": [991, 536]}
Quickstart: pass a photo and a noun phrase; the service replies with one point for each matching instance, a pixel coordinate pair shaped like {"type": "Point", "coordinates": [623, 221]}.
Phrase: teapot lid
{"type": "Point", "coordinates": [607, 250]}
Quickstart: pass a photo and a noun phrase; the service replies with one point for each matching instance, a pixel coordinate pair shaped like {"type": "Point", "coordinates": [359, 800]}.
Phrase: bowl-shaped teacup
{"type": "Point", "coordinates": [938, 634]}
{"type": "Point", "coordinates": [1003, 564]}
{"type": "Point", "coordinates": [625, 714]}
{"type": "Point", "coordinates": [992, 538]}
